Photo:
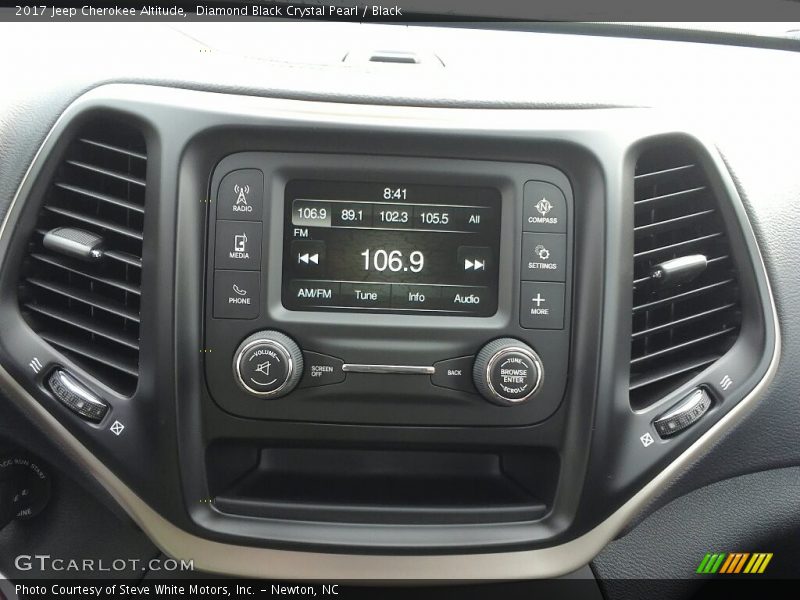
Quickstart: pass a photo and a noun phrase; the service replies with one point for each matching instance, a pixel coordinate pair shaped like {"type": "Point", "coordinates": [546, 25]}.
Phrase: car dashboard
{"type": "Point", "coordinates": [430, 302]}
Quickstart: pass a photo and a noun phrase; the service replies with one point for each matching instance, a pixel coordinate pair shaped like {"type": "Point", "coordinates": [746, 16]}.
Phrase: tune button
{"type": "Point", "coordinates": [513, 374]}
{"type": "Point", "coordinates": [268, 364]}
{"type": "Point", "coordinates": [507, 372]}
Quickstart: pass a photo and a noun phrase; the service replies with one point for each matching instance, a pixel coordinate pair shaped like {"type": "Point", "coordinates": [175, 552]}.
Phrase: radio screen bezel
{"type": "Point", "coordinates": [390, 246]}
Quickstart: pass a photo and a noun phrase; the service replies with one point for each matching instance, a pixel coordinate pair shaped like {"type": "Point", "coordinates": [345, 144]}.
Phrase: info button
{"type": "Point", "coordinates": [415, 297]}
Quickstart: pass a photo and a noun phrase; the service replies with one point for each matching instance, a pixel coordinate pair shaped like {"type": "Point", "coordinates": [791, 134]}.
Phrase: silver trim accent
{"type": "Point", "coordinates": [263, 342]}
{"type": "Point", "coordinates": [389, 369]}
{"type": "Point", "coordinates": [248, 561]}
{"type": "Point", "coordinates": [74, 242]}
{"type": "Point", "coordinates": [69, 382]}
{"type": "Point", "coordinates": [534, 358]}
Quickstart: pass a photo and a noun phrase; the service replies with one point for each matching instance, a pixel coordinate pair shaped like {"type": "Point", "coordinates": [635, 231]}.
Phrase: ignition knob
{"type": "Point", "coordinates": [507, 372]}
{"type": "Point", "coordinates": [268, 364]}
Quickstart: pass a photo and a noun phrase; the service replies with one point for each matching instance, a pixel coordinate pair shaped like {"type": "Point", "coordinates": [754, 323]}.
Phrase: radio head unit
{"type": "Point", "coordinates": [391, 247]}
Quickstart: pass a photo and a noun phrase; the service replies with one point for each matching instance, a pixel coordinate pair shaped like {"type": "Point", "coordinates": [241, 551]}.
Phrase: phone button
{"type": "Point", "coordinates": [237, 294]}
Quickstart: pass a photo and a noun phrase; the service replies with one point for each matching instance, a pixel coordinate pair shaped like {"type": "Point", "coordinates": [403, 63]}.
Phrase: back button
{"type": "Point", "coordinates": [454, 373]}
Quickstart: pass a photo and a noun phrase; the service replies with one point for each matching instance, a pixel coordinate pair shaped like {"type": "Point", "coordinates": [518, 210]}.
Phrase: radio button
{"type": "Point", "coordinates": [307, 292]}
{"type": "Point", "coordinates": [545, 208]}
{"type": "Point", "coordinates": [465, 299]}
{"type": "Point", "coordinates": [366, 294]}
{"type": "Point", "coordinates": [241, 195]}
{"type": "Point", "coordinates": [544, 257]}
{"type": "Point", "coordinates": [238, 245]}
{"type": "Point", "coordinates": [236, 294]}
{"type": "Point", "coordinates": [321, 369]}
{"type": "Point", "coordinates": [409, 296]}
{"type": "Point", "coordinates": [542, 305]}
{"type": "Point", "coordinates": [455, 374]}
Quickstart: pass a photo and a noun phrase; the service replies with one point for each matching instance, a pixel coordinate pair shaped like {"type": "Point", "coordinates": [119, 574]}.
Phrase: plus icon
{"type": "Point", "coordinates": [538, 299]}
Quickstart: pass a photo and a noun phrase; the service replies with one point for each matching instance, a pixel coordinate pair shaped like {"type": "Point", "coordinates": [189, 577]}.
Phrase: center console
{"type": "Point", "coordinates": [388, 290]}
{"type": "Point", "coordinates": [349, 339]}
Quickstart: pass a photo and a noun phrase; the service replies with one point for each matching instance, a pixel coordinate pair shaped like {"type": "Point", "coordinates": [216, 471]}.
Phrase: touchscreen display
{"type": "Point", "coordinates": [391, 247]}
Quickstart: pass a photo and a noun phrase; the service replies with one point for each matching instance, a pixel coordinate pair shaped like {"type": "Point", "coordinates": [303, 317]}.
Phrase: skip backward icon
{"type": "Point", "coordinates": [474, 265]}
{"type": "Point", "coordinates": [308, 258]}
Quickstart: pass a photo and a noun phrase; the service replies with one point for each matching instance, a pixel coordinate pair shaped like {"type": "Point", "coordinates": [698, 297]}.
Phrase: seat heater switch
{"type": "Point", "coordinates": [76, 397]}
{"type": "Point", "coordinates": [684, 414]}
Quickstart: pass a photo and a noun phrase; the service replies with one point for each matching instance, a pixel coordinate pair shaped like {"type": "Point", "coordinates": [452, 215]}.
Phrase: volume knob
{"type": "Point", "coordinates": [508, 372]}
{"type": "Point", "coordinates": [268, 364]}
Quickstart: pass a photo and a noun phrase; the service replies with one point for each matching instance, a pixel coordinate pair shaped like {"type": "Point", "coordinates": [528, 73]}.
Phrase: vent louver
{"type": "Point", "coordinates": [89, 309]}
{"type": "Point", "coordinates": [678, 328]}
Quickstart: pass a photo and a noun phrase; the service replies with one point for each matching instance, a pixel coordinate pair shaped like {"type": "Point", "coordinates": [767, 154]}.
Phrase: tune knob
{"type": "Point", "coordinates": [507, 372]}
{"type": "Point", "coordinates": [268, 364]}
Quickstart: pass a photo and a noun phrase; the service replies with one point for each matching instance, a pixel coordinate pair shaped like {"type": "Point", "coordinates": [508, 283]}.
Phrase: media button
{"type": "Point", "coordinates": [542, 305]}
{"type": "Point", "coordinates": [236, 294]}
{"type": "Point", "coordinates": [308, 257]}
{"type": "Point", "coordinates": [545, 208]}
{"type": "Point", "coordinates": [420, 297]}
{"type": "Point", "coordinates": [366, 295]}
{"type": "Point", "coordinates": [307, 292]}
{"type": "Point", "coordinates": [238, 245]}
{"type": "Point", "coordinates": [241, 195]}
{"type": "Point", "coordinates": [544, 257]}
{"type": "Point", "coordinates": [465, 299]}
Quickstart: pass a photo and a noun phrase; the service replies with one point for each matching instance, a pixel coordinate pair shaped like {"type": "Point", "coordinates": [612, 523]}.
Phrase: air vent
{"type": "Point", "coordinates": [88, 307]}
{"type": "Point", "coordinates": [686, 312]}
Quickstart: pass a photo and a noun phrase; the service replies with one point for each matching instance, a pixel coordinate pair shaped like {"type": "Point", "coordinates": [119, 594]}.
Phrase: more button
{"type": "Point", "coordinates": [542, 305]}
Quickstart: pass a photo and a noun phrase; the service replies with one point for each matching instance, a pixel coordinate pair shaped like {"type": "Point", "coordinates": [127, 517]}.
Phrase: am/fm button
{"type": "Point", "coordinates": [309, 292]}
